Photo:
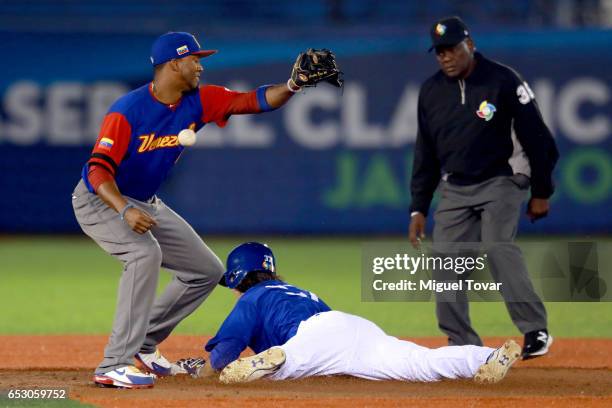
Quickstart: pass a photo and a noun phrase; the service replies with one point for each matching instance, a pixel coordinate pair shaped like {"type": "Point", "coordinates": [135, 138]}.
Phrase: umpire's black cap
{"type": "Point", "coordinates": [448, 31]}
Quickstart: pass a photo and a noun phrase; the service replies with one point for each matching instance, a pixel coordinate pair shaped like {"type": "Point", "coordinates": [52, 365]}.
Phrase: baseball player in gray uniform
{"type": "Point", "coordinates": [116, 205]}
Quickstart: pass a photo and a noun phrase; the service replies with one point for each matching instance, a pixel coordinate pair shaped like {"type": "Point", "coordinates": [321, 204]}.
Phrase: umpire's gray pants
{"type": "Point", "coordinates": [141, 320]}
{"type": "Point", "coordinates": [487, 212]}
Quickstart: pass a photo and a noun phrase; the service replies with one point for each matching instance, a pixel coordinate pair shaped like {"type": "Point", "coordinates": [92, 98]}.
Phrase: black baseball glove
{"type": "Point", "coordinates": [314, 66]}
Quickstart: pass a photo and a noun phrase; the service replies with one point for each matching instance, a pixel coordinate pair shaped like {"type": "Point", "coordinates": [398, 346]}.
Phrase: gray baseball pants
{"type": "Point", "coordinates": [487, 212]}
{"type": "Point", "coordinates": [141, 320]}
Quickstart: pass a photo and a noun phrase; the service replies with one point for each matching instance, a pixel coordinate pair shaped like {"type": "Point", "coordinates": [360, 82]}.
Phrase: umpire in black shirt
{"type": "Point", "coordinates": [482, 138]}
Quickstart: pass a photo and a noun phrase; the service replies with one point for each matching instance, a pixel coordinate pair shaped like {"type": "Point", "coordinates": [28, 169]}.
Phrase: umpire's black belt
{"type": "Point", "coordinates": [469, 179]}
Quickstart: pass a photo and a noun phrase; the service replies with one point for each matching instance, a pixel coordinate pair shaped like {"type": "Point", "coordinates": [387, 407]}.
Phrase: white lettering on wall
{"type": "Point", "coordinates": [298, 118]}
{"type": "Point", "coordinates": [403, 127]}
{"type": "Point", "coordinates": [64, 116]}
{"type": "Point", "coordinates": [70, 113]}
{"type": "Point", "coordinates": [100, 97]}
{"type": "Point", "coordinates": [585, 130]}
{"type": "Point", "coordinates": [358, 132]}
{"type": "Point", "coordinates": [24, 119]}
{"type": "Point", "coordinates": [62, 113]}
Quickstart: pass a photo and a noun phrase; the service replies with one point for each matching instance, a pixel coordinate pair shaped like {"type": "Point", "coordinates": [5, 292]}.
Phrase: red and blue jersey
{"type": "Point", "coordinates": [266, 315]}
{"type": "Point", "coordinates": [138, 142]}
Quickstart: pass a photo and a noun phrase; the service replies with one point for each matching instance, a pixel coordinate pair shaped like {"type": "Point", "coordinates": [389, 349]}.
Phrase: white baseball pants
{"type": "Point", "coordinates": [339, 343]}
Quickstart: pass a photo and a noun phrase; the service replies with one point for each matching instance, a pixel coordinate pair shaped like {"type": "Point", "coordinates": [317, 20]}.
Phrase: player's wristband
{"type": "Point", "coordinates": [123, 211]}
{"type": "Point", "coordinates": [412, 214]}
{"type": "Point", "coordinates": [291, 89]}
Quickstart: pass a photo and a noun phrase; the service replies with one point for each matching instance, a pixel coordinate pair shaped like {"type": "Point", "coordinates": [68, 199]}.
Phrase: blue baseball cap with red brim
{"type": "Point", "coordinates": [174, 45]}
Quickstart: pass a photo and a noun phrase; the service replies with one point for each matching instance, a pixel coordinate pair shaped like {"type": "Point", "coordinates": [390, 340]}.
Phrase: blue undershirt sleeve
{"type": "Point", "coordinates": [233, 336]}
{"type": "Point", "coordinates": [224, 353]}
{"type": "Point", "coordinates": [261, 99]}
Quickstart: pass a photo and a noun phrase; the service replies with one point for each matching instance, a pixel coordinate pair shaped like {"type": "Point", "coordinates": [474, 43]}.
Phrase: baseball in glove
{"type": "Point", "coordinates": [314, 66]}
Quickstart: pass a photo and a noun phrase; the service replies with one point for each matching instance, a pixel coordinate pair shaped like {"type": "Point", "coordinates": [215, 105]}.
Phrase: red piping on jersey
{"type": "Point", "coordinates": [172, 106]}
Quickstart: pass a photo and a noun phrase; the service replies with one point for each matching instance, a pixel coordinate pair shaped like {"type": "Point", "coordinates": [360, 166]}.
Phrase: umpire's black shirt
{"type": "Point", "coordinates": [465, 131]}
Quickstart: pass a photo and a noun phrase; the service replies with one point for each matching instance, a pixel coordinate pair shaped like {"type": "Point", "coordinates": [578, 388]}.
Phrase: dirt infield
{"type": "Point", "coordinates": [577, 372]}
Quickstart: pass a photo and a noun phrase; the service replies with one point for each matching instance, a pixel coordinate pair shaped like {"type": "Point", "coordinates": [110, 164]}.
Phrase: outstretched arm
{"type": "Point", "coordinates": [225, 352]}
{"type": "Point", "coordinates": [233, 336]}
{"type": "Point", "coordinates": [310, 68]}
{"type": "Point", "coordinates": [219, 103]}
{"type": "Point", "coordinates": [278, 95]}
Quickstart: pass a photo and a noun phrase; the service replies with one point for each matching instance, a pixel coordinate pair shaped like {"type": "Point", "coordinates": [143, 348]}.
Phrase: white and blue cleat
{"type": "Point", "coordinates": [155, 363]}
{"type": "Point", "coordinates": [125, 377]}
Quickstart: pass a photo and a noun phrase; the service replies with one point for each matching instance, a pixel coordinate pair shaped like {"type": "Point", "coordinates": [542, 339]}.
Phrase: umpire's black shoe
{"type": "Point", "coordinates": [536, 344]}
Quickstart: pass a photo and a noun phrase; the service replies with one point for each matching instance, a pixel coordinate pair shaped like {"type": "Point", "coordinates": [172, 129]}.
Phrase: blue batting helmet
{"type": "Point", "coordinates": [245, 258]}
